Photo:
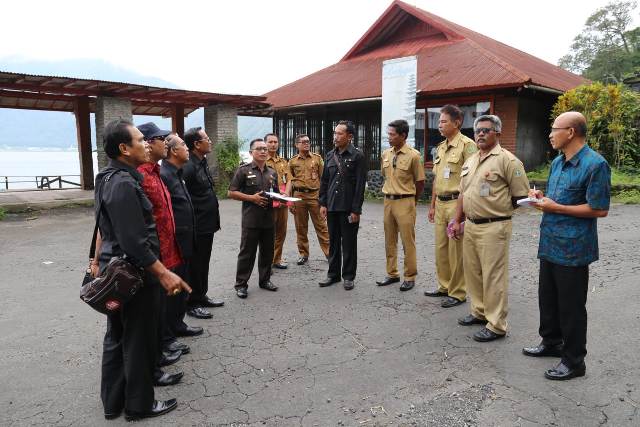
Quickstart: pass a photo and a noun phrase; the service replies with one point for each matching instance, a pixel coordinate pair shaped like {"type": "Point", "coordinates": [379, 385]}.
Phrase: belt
{"type": "Point", "coordinates": [486, 220]}
{"type": "Point", "coordinates": [446, 197]}
{"type": "Point", "coordinates": [398, 196]}
{"type": "Point", "coordinates": [304, 190]}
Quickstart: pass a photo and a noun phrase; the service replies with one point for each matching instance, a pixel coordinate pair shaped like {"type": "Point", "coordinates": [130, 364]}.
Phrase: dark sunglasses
{"type": "Point", "coordinates": [478, 131]}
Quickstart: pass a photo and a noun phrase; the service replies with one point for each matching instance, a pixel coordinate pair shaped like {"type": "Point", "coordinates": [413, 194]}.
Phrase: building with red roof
{"type": "Point", "coordinates": [455, 65]}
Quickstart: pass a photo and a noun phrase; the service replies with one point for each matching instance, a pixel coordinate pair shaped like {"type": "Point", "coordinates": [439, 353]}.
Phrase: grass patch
{"type": "Point", "coordinates": [628, 197]}
{"type": "Point", "coordinates": [618, 176]}
{"type": "Point", "coordinates": [3, 213]}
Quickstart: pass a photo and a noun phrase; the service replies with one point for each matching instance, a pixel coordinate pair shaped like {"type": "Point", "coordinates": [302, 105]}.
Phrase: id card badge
{"type": "Point", "coordinates": [446, 172]}
{"type": "Point", "coordinates": [485, 189]}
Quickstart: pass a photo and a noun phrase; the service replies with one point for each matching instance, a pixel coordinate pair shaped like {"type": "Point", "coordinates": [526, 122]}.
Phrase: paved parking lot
{"type": "Point", "coordinates": [321, 357]}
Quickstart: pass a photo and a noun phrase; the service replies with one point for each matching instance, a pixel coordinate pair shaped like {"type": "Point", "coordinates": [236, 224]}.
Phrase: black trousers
{"type": "Point", "coordinates": [343, 246]}
{"type": "Point", "coordinates": [199, 269]}
{"type": "Point", "coordinates": [177, 304]}
{"type": "Point", "coordinates": [562, 295]}
{"type": "Point", "coordinates": [252, 239]}
{"type": "Point", "coordinates": [129, 354]}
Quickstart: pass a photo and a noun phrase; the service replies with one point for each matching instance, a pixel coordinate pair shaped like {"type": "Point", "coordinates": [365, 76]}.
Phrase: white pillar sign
{"type": "Point", "coordinates": [399, 83]}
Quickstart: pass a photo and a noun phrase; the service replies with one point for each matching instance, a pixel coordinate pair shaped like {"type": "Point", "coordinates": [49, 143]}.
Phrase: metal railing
{"type": "Point", "coordinates": [41, 182]}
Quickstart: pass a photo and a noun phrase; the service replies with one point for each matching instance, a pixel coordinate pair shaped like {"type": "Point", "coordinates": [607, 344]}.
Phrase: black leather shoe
{"type": "Point", "coordinates": [241, 292]}
{"type": "Point", "coordinates": [348, 285]}
{"type": "Point", "coordinates": [435, 293]}
{"type": "Point", "coordinates": [168, 379]}
{"type": "Point", "coordinates": [407, 285]}
{"type": "Point", "coordinates": [210, 302]}
{"type": "Point", "coordinates": [486, 335]}
{"type": "Point", "coordinates": [302, 260]}
{"type": "Point", "coordinates": [469, 320]}
{"type": "Point", "coordinates": [387, 281]}
{"type": "Point", "coordinates": [451, 302]}
{"type": "Point", "coordinates": [160, 407]}
{"type": "Point", "coordinates": [189, 331]}
{"type": "Point", "coordinates": [112, 415]}
{"type": "Point", "coordinates": [562, 372]}
{"type": "Point", "coordinates": [543, 350]}
{"type": "Point", "coordinates": [269, 286]}
{"type": "Point", "coordinates": [178, 346]}
{"type": "Point", "coordinates": [169, 358]}
{"type": "Point", "coordinates": [328, 282]}
{"type": "Point", "coordinates": [280, 265]}
{"type": "Point", "coordinates": [199, 313]}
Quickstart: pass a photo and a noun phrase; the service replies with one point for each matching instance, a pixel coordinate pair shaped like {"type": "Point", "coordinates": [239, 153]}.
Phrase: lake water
{"type": "Point", "coordinates": [25, 166]}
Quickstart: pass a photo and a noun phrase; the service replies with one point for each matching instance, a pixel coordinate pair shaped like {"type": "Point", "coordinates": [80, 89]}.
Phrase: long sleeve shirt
{"type": "Point", "coordinates": [343, 181]}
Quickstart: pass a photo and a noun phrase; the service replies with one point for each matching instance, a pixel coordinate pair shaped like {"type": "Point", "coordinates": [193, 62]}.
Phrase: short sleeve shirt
{"type": "Point", "coordinates": [306, 172]}
{"type": "Point", "coordinates": [401, 170]}
{"type": "Point", "coordinates": [451, 156]}
{"type": "Point", "coordinates": [488, 185]}
{"type": "Point", "coordinates": [250, 179]}
{"type": "Point", "coordinates": [585, 178]}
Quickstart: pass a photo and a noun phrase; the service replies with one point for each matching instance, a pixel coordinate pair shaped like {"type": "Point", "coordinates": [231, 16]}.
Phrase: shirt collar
{"type": "Point", "coordinates": [350, 149]}
{"type": "Point", "coordinates": [576, 158]}
{"type": "Point", "coordinates": [150, 167]}
{"type": "Point", "coordinates": [116, 164]}
{"type": "Point", "coordinates": [168, 165]}
{"type": "Point", "coordinates": [254, 165]}
{"type": "Point", "coordinates": [404, 149]}
{"type": "Point", "coordinates": [455, 141]}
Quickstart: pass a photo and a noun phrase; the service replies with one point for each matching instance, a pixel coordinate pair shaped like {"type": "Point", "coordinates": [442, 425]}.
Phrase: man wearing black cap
{"type": "Point", "coordinates": [205, 205]}
{"type": "Point", "coordinates": [169, 349]}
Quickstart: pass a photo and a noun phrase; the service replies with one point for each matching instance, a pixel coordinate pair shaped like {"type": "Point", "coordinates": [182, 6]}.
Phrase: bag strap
{"type": "Point", "coordinates": [92, 248]}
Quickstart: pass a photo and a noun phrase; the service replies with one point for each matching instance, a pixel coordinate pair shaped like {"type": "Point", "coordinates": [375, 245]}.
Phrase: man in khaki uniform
{"type": "Point", "coordinates": [492, 181]}
{"type": "Point", "coordinates": [403, 173]}
{"type": "Point", "coordinates": [451, 154]}
{"type": "Point", "coordinates": [304, 172]}
{"type": "Point", "coordinates": [280, 214]}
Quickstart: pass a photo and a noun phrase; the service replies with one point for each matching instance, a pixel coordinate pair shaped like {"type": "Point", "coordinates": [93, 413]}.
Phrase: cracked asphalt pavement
{"type": "Point", "coordinates": [315, 356]}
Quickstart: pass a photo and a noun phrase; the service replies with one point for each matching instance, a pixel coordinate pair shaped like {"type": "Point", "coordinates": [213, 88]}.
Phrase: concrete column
{"type": "Point", "coordinates": [220, 122]}
{"type": "Point", "coordinates": [108, 109]}
{"type": "Point", "coordinates": [83, 131]}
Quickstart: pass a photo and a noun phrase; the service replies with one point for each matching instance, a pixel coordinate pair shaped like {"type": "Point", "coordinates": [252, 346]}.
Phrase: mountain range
{"type": "Point", "coordinates": [22, 129]}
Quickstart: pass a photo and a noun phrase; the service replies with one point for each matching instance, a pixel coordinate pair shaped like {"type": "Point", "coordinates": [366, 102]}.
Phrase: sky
{"type": "Point", "coordinates": [252, 46]}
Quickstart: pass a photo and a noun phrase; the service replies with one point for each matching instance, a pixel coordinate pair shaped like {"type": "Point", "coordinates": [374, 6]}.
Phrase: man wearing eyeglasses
{"type": "Point", "coordinates": [249, 185]}
{"type": "Point", "coordinates": [403, 173]}
{"type": "Point", "coordinates": [201, 188]}
{"type": "Point", "coordinates": [578, 193]}
{"type": "Point", "coordinates": [305, 171]}
{"type": "Point", "coordinates": [492, 181]}
{"type": "Point", "coordinates": [451, 155]}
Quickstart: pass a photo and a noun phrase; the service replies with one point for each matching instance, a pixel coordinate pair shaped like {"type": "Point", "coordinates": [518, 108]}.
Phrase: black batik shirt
{"type": "Point", "coordinates": [343, 181]}
{"type": "Point", "coordinates": [203, 195]}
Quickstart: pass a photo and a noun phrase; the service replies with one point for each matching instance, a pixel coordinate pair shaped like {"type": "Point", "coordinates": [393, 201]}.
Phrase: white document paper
{"type": "Point", "coordinates": [280, 197]}
{"type": "Point", "coordinates": [528, 202]}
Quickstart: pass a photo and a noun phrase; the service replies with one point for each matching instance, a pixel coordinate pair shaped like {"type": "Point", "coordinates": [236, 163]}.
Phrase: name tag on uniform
{"type": "Point", "coordinates": [251, 176]}
{"type": "Point", "coordinates": [464, 171]}
{"type": "Point", "coordinates": [446, 172]}
{"type": "Point", "coordinates": [485, 189]}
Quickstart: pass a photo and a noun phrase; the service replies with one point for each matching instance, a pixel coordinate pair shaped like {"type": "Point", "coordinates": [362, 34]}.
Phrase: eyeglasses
{"type": "Point", "coordinates": [260, 149]}
{"type": "Point", "coordinates": [556, 129]}
{"type": "Point", "coordinates": [478, 131]}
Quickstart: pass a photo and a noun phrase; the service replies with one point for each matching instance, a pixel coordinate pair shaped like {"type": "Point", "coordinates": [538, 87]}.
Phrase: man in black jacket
{"type": "Point", "coordinates": [171, 174]}
{"type": "Point", "coordinates": [127, 228]}
{"type": "Point", "coordinates": [201, 188]}
{"type": "Point", "coordinates": [341, 197]}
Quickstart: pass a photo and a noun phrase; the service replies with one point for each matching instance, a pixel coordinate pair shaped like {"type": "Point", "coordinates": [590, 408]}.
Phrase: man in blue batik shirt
{"type": "Point", "coordinates": [578, 191]}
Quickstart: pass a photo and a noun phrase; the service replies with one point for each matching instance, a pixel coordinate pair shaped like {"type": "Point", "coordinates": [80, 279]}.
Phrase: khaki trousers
{"type": "Point", "coordinates": [486, 271]}
{"type": "Point", "coordinates": [280, 216]}
{"type": "Point", "coordinates": [306, 208]}
{"type": "Point", "coordinates": [400, 217]}
{"type": "Point", "coordinates": [449, 268]}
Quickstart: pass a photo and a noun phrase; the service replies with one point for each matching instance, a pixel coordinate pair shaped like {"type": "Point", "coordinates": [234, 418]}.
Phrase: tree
{"type": "Point", "coordinates": [606, 50]}
{"type": "Point", "coordinates": [613, 115]}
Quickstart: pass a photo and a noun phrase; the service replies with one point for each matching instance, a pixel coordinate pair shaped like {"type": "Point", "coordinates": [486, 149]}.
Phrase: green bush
{"type": "Point", "coordinates": [613, 118]}
{"type": "Point", "coordinates": [628, 197]}
{"type": "Point", "coordinates": [2, 214]}
{"type": "Point", "coordinates": [228, 157]}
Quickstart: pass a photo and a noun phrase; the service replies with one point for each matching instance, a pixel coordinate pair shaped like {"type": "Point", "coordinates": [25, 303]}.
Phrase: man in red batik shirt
{"type": "Point", "coordinates": [159, 196]}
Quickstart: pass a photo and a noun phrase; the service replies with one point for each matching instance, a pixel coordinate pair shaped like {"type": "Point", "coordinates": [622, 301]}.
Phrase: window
{"type": "Point", "coordinates": [427, 133]}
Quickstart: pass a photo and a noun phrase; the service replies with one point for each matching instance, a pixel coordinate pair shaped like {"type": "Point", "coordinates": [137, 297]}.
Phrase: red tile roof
{"type": "Point", "coordinates": [451, 59]}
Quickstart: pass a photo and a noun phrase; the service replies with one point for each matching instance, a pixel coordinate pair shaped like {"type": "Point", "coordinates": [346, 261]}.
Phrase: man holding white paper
{"type": "Point", "coordinates": [578, 192]}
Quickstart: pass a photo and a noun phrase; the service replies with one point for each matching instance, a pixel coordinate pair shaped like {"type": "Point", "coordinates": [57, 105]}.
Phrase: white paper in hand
{"type": "Point", "coordinates": [528, 202]}
{"type": "Point", "coordinates": [281, 197]}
